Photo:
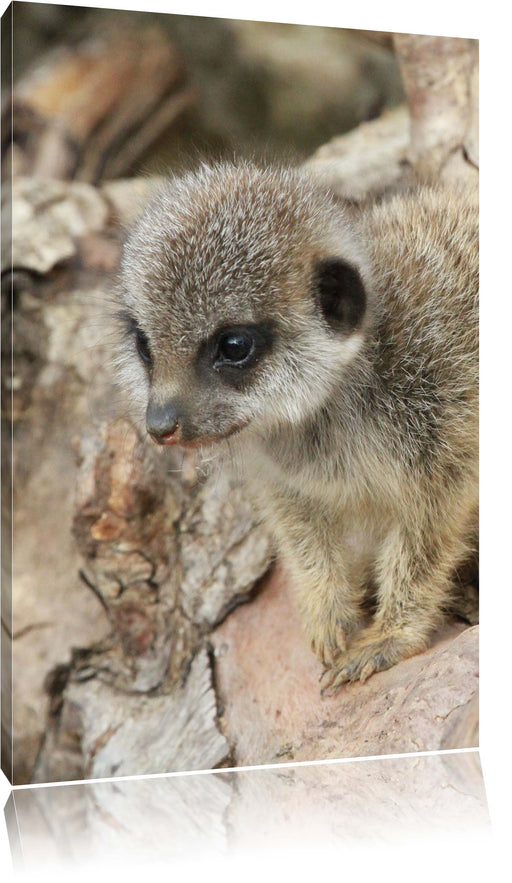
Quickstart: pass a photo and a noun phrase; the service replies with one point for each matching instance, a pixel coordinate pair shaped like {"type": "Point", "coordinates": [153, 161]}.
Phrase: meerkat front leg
{"type": "Point", "coordinates": [329, 602]}
{"type": "Point", "coordinates": [415, 573]}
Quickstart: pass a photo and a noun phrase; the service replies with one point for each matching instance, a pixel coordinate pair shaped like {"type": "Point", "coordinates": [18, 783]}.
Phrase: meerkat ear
{"type": "Point", "coordinates": [340, 293]}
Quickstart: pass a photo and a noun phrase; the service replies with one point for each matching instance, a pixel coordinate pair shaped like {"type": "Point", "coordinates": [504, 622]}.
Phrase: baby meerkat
{"type": "Point", "coordinates": [334, 356]}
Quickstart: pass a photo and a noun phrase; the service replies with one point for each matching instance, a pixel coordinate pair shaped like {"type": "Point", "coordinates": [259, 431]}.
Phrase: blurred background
{"type": "Point", "coordinates": [102, 93]}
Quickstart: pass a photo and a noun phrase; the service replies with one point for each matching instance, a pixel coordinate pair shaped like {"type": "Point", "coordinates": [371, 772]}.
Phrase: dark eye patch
{"type": "Point", "coordinates": [142, 344]}
{"type": "Point", "coordinates": [232, 352]}
{"type": "Point", "coordinates": [133, 329]}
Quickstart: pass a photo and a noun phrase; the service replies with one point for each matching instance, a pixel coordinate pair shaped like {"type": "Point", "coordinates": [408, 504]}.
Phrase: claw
{"type": "Point", "coordinates": [327, 669]}
{"type": "Point", "coordinates": [335, 681]}
{"type": "Point", "coordinates": [326, 687]}
{"type": "Point", "coordinates": [350, 672]}
{"type": "Point", "coordinates": [332, 688]}
{"type": "Point", "coordinates": [367, 670]}
{"type": "Point", "coordinates": [325, 652]}
{"type": "Point", "coordinates": [343, 677]}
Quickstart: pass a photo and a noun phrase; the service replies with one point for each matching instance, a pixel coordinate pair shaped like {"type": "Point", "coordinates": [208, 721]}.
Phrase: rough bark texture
{"type": "Point", "coordinates": [131, 564]}
{"type": "Point", "coordinates": [176, 731]}
{"type": "Point", "coordinates": [433, 136]}
{"type": "Point", "coordinates": [369, 160]}
{"type": "Point", "coordinates": [155, 557]}
{"type": "Point", "coordinates": [272, 710]}
{"type": "Point", "coordinates": [440, 77]}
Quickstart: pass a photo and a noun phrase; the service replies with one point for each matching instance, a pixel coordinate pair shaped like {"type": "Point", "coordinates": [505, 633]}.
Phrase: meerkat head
{"type": "Point", "coordinates": [244, 294]}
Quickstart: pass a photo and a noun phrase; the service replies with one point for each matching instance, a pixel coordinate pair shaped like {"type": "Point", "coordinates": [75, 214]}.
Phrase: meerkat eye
{"type": "Point", "coordinates": [142, 344]}
{"type": "Point", "coordinates": [234, 347]}
{"type": "Point", "coordinates": [132, 330]}
{"type": "Point", "coordinates": [234, 352]}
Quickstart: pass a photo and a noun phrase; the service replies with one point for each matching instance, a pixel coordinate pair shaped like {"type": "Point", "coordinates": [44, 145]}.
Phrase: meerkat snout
{"type": "Point", "coordinates": [162, 422]}
{"type": "Point", "coordinates": [335, 354]}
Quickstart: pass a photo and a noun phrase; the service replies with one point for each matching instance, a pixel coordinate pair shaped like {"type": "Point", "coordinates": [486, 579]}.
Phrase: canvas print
{"type": "Point", "coordinates": [239, 393]}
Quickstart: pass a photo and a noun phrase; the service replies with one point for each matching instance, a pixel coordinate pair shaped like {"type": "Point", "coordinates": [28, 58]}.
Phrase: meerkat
{"type": "Point", "coordinates": [332, 355]}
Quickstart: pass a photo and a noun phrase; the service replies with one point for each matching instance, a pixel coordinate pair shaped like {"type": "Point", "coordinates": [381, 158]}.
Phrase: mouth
{"type": "Point", "coordinates": [200, 441]}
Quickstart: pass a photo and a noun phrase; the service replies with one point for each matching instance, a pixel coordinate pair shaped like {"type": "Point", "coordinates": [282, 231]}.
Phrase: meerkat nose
{"type": "Point", "coordinates": [162, 423]}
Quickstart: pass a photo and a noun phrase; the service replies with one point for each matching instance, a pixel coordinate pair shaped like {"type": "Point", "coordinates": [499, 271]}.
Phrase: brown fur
{"type": "Point", "coordinates": [355, 429]}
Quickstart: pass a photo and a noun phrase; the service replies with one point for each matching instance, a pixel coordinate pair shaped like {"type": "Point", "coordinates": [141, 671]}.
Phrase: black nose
{"type": "Point", "coordinates": [161, 420]}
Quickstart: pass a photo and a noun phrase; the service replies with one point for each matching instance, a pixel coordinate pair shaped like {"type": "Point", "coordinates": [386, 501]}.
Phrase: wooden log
{"type": "Point", "coordinates": [440, 76]}
{"type": "Point", "coordinates": [168, 731]}
{"type": "Point", "coordinates": [433, 136]}
{"type": "Point", "coordinates": [155, 559]}
{"type": "Point", "coordinates": [90, 109]}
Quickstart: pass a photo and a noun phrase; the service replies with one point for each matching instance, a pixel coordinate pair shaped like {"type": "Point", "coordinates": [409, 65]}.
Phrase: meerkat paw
{"type": "Point", "coordinates": [364, 658]}
{"type": "Point", "coordinates": [329, 638]}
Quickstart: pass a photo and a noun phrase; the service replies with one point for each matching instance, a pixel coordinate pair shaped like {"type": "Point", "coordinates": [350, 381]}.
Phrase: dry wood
{"type": "Point", "coordinates": [164, 552]}
{"type": "Point", "coordinates": [433, 136]}
{"type": "Point", "coordinates": [370, 160]}
{"type": "Point", "coordinates": [91, 109]}
{"type": "Point", "coordinates": [440, 77]}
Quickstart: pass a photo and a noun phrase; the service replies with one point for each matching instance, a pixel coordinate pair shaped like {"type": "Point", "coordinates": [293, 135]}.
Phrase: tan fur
{"type": "Point", "coordinates": [358, 443]}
